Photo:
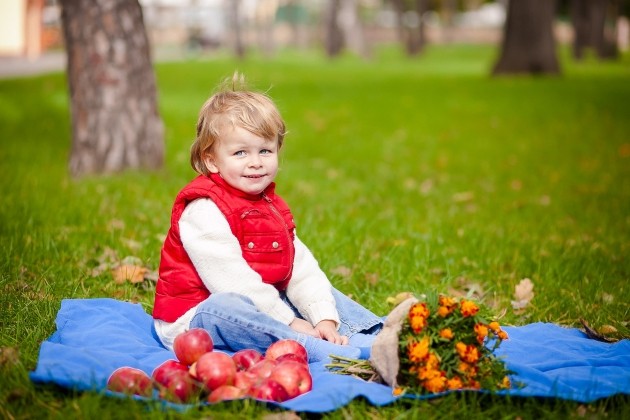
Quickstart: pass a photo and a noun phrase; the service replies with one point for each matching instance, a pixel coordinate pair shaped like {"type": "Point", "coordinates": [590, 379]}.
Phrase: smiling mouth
{"type": "Point", "coordinates": [254, 176]}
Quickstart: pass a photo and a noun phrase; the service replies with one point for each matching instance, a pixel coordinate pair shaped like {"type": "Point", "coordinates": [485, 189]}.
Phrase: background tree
{"type": "Point", "coordinates": [410, 22]}
{"type": "Point", "coordinates": [113, 98]}
{"type": "Point", "coordinates": [528, 44]}
{"type": "Point", "coordinates": [235, 24]}
{"type": "Point", "coordinates": [593, 25]}
{"type": "Point", "coordinates": [334, 41]}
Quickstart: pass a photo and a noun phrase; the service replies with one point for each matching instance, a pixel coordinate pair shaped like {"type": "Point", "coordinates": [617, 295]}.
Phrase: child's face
{"type": "Point", "coordinates": [245, 161]}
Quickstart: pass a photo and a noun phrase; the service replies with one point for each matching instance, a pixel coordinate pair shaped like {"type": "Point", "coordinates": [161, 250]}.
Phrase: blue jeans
{"type": "Point", "coordinates": [235, 323]}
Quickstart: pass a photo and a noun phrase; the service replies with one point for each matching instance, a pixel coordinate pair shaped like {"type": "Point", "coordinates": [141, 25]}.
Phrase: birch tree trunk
{"type": "Point", "coordinates": [113, 97]}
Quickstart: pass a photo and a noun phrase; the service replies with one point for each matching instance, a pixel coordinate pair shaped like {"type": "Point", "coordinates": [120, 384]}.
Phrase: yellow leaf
{"type": "Point", "coordinates": [400, 297]}
{"type": "Point", "coordinates": [127, 272]}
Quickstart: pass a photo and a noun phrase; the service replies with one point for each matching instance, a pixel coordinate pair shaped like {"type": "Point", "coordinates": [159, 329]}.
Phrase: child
{"type": "Point", "coordinates": [232, 262]}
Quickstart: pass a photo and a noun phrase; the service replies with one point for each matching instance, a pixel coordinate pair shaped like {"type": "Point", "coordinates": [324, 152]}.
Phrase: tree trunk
{"type": "Point", "coordinates": [334, 36]}
{"type": "Point", "coordinates": [113, 98]}
{"type": "Point", "coordinates": [239, 47]}
{"type": "Point", "coordinates": [589, 18]}
{"type": "Point", "coordinates": [528, 42]}
{"type": "Point", "coordinates": [411, 27]}
{"type": "Point", "coordinates": [351, 28]}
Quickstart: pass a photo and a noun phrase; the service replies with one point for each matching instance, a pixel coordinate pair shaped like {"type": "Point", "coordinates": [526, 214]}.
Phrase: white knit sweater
{"type": "Point", "coordinates": [216, 255]}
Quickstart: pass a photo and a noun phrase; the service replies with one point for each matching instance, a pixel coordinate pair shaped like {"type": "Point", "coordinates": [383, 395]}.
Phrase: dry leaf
{"type": "Point", "coordinates": [400, 297]}
{"type": "Point", "coordinates": [342, 271]}
{"type": "Point", "coordinates": [127, 272]}
{"type": "Point", "coordinates": [591, 333]}
{"type": "Point", "coordinates": [9, 356]}
{"type": "Point", "coordinates": [523, 294]}
{"type": "Point", "coordinates": [607, 329]}
{"type": "Point", "coordinates": [463, 197]}
{"type": "Point", "coordinates": [372, 278]}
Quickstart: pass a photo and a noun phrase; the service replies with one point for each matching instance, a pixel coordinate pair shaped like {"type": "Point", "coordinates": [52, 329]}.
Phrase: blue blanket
{"type": "Point", "coordinates": [96, 336]}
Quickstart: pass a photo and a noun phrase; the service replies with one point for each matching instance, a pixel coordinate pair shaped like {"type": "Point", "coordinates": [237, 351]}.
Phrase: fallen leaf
{"type": "Point", "coordinates": [591, 333]}
{"type": "Point", "coordinates": [9, 356]}
{"type": "Point", "coordinates": [463, 197]}
{"type": "Point", "coordinates": [400, 297]}
{"type": "Point", "coordinates": [127, 272]}
{"type": "Point", "coordinates": [607, 329]}
{"type": "Point", "coordinates": [523, 294]}
{"type": "Point", "coordinates": [342, 271]}
{"type": "Point", "coordinates": [372, 278]}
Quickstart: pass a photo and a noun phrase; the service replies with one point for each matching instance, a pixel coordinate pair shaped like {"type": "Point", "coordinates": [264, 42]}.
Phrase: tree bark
{"type": "Point", "coordinates": [334, 36]}
{"type": "Point", "coordinates": [237, 32]}
{"type": "Point", "coordinates": [411, 32]}
{"type": "Point", "coordinates": [113, 97]}
{"type": "Point", "coordinates": [528, 44]}
{"type": "Point", "coordinates": [589, 19]}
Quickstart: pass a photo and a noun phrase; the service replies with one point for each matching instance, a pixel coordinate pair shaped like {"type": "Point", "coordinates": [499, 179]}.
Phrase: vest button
{"type": "Point", "coordinates": [275, 245]}
{"type": "Point", "coordinates": [250, 245]}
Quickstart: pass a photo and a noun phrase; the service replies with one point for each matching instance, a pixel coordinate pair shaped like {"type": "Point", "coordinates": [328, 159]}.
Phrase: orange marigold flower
{"type": "Point", "coordinates": [469, 308]}
{"type": "Point", "coordinates": [418, 350]}
{"type": "Point", "coordinates": [447, 301]}
{"type": "Point", "coordinates": [502, 335]}
{"type": "Point", "coordinates": [482, 332]}
{"type": "Point", "coordinates": [505, 383]}
{"type": "Point", "coordinates": [467, 370]}
{"type": "Point", "coordinates": [494, 326]}
{"type": "Point", "coordinates": [419, 309]}
{"type": "Point", "coordinates": [398, 391]}
{"type": "Point", "coordinates": [432, 362]}
{"type": "Point", "coordinates": [443, 311]}
{"type": "Point", "coordinates": [473, 384]}
{"type": "Point", "coordinates": [446, 333]}
{"type": "Point", "coordinates": [467, 353]}
{"type": "Point", "coordinates": [455, 383]}
{"type": "Point", "coordinates": [436, 384]}
{"type": "Point", "coordinates": [472, 354]}
{"type": "Point", "coordinates": [417, 323]}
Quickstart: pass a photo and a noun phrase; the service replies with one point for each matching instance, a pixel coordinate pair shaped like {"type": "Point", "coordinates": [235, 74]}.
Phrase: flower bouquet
{"type": "Point", "coordinates": [433, 345]}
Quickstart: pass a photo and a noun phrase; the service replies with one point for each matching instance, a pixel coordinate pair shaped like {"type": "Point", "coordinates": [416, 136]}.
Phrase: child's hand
{"type": "Point", "coordinates": [328, 331]}
{"type": "Point", "coordinates": [304, 327]}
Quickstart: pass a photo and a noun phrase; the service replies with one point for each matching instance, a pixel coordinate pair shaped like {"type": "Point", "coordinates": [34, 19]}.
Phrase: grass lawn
{"type": "Point", "coordinates": [403, 175]}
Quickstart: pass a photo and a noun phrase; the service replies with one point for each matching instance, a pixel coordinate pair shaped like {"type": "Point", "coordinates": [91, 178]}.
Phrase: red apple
{"type": "Point", "coordinates": [190, 345]}
{"type": "Point", "coordinates": [161, 373]}
{"type": "Point", "coordinates": [244, 380]}
{"type": "Point", "coordinates": [293, 357]}
{"type": "Point", "coordinates": [286, 346]}
{"type": "Point", "coordinates": [130, 380]}
{"type": "Point", "coordinates": [244, 359]}
{"type": "Point", "coordinates": [180, 387]}
{"type": "Point", "coordinates": [269, 390]}
{"type": "Point", "coordinates": [224, 393]}
{"type": "Point", "coordinates": [214, 369]}
{"type": "Point", "coordinates": [263, 368]}
{"type": "Point", "coordinates": [294, 377]}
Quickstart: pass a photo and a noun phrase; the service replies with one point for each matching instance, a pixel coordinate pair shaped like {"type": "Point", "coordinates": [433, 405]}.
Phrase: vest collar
{"type": "Point", "coordinates": [218, 179]}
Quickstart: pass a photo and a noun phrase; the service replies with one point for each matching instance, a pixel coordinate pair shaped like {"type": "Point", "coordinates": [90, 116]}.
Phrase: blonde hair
{"type": "Point", "coordinates": [234, 106]}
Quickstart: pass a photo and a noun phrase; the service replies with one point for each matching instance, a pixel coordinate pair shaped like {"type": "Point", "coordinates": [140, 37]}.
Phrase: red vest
{"type": "Point", "coordinates": [263, 225]}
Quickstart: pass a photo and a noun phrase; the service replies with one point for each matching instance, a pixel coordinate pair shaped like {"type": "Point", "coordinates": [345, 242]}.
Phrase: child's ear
{"type": "Point", "coordinates": [209, 161]}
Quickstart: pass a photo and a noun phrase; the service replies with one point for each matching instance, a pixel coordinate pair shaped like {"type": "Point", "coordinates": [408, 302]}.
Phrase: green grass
{"type": "Point", "coordinates": [415, 175]}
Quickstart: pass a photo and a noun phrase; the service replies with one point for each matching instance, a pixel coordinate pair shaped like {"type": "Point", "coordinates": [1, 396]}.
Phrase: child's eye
{"type": "Point", "coordinates": [265, 151]}
{"type": "Point", "coordinates": [240, 153]}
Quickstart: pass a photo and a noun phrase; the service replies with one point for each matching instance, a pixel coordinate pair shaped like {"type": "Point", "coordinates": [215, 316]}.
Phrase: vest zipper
{"type": "Point", "coordinates": [275, 211]}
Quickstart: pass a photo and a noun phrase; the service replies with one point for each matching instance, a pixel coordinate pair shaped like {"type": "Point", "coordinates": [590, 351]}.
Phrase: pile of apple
{"type": "Point", "coordinates": [201, 373]}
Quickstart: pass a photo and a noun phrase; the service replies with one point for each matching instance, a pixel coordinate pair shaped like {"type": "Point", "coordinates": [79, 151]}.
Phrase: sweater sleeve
{"type": "Point", "coordinates": [216, 255]}
{"type": "Point", "coordinates": [309, 289]}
